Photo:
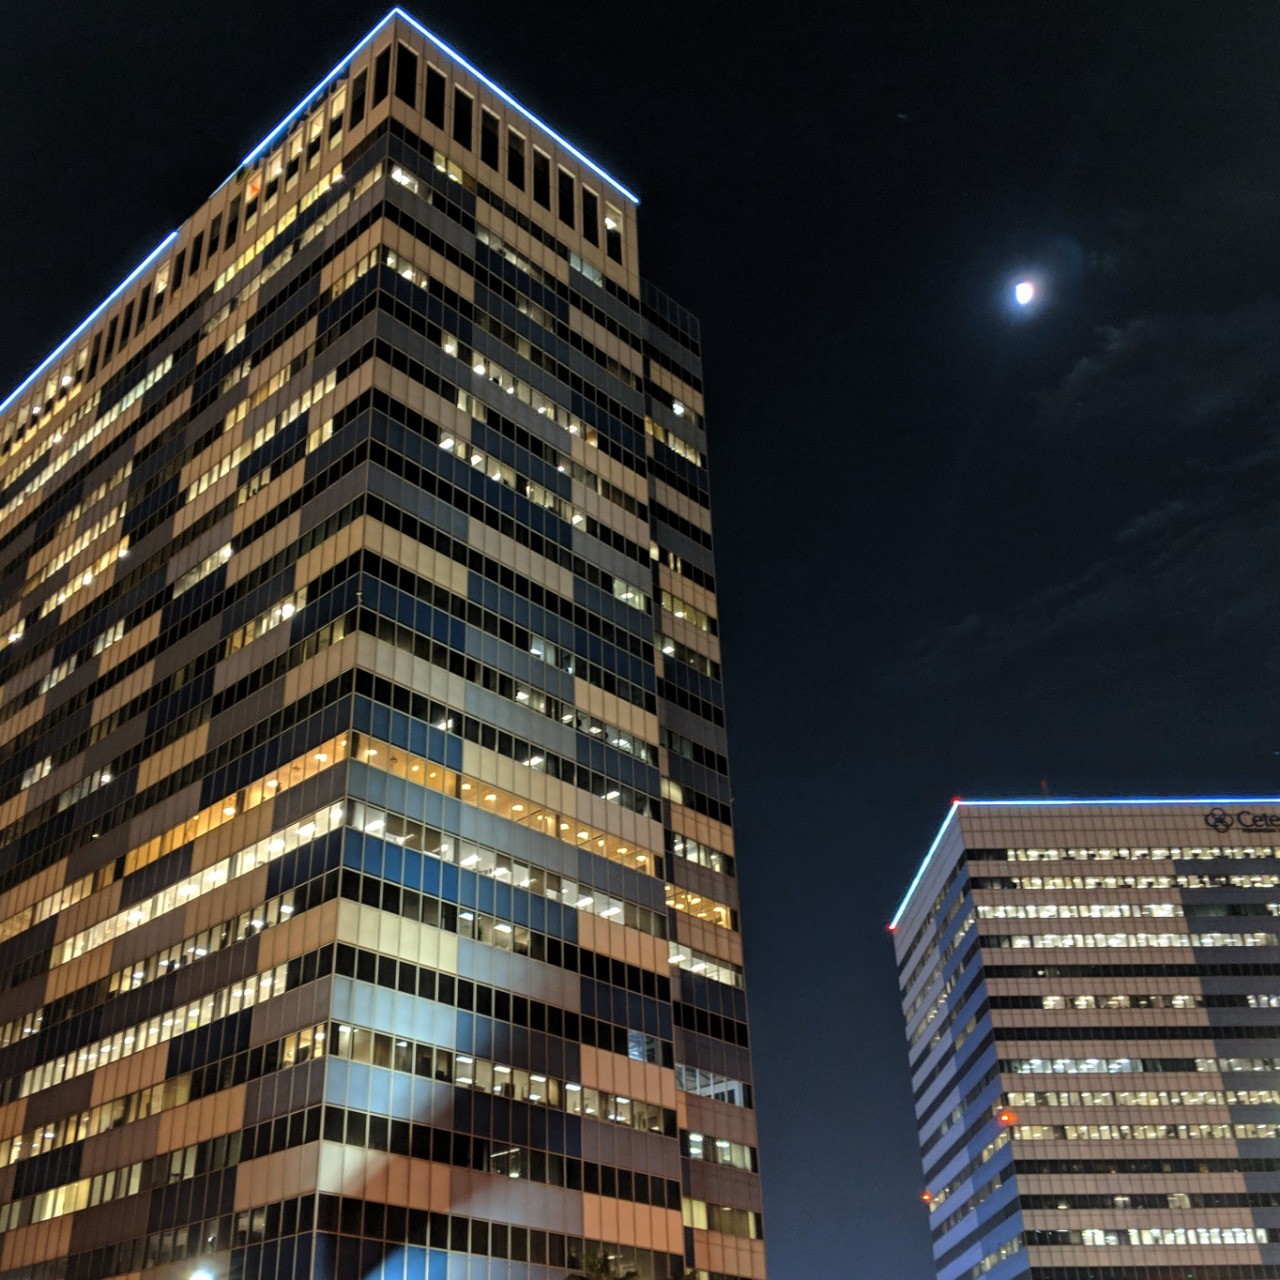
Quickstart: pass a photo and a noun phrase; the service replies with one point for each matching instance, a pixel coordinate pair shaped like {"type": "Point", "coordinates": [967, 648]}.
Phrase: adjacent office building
{"type": "Point", "coordinates": [1092, 998]}
{"type": "Point", "coordinates": [367, 883]}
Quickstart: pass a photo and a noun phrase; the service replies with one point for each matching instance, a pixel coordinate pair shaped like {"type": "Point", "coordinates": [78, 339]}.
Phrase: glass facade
{"type": "Point", "coordinates": [368, 900]}
{"type": "Point", "coordinates": [1090, 992]}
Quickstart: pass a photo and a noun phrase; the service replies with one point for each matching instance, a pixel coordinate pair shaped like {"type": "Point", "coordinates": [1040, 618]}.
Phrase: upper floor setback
{"type": "Point", "coordinates": [399, 75]}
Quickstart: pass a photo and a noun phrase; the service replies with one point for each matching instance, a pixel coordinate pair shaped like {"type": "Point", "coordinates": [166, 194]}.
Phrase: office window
{"type": "Point", "coordinates": [381, 76]}
{"type": "Point", "coordinates": [542, 178]}
{"type": "Point", "coordinates": [434, 106]}
{"type": "Point", "coordinates": [215, 230]}
{"type": "Point", "coordinates": [125, 322]}
{"type": "Point", "coordinates": [143, 298]}
{"type": "Point", "coordinates": [406, 75]}
{"type": "Point", "coordinates": [197, 244]}
{"type": "Point", "coordinates": [489, 145]}
{"type": "Point", "coordinates": [110, 345]}
{"type": "Point", "coordinates": [515, 159]}
{"type": "Point", "coordinates": [590, 216]}
{"type": "Point", "coordinates": [463, 107]}
{"type": "Point", "coordinates": [358, 88]}
{"type": "Point", "coordinates": [566, 197]}
{"type": "Point", "coordinates": [94, 352]}
{"type": "Point", "coordinates": [178, 263]}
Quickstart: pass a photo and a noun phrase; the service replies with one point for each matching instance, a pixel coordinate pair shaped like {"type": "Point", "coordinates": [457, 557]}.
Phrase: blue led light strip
{"type": "Point", "coordinates": [88, 320]}
{"type": "Point", "coordinates": [456, 57]}
{"type": "Point", "coordinates": [1042, 802]}
{"type": "Point", "coordinates": [924, 866]}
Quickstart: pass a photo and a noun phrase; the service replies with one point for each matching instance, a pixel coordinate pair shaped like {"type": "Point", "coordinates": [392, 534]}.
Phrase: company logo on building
{"type": "Point", "coordinates": [1222, 821]}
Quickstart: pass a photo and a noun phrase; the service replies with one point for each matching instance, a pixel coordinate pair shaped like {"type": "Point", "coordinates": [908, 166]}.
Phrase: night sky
{"type": "Point", "coordinates": [960, 551]}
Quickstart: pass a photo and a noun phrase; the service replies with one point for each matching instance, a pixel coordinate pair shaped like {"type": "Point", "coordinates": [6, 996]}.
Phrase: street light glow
{"type": "Point", "coordinates": [1024, 292]}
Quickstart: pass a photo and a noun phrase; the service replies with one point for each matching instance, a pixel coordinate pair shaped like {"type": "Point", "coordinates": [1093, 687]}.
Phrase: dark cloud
{"type": "Point", "coordinates": [1177, 420]}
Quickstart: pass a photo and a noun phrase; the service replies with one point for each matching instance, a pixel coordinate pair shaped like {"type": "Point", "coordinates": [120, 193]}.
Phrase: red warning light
{"type": "Point", "coordinates": [1008, 1117]}
{"type": "Point", "coordinates": [956, 800]}
{"type": "Point", "coordinates": [891, 928]}
{"type": "Point", "coordinates": [926, 1197]}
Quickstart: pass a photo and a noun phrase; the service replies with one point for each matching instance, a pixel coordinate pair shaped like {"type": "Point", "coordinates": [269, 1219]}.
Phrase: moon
{"type": "Point", "coordinates": [1024, 293]}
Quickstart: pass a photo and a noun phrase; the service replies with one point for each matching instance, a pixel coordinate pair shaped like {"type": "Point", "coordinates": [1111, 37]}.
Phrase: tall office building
{"type": "Point", "coordinates": [1090, 991]}
{"type": "Point", "coordinates": [367, 897]}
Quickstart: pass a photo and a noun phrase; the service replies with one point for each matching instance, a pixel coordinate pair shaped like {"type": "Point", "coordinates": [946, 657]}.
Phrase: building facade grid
{"type": "Point", "coordinates": [1090, 995]}
{"type": "Point", "coordinates": [368, 899]}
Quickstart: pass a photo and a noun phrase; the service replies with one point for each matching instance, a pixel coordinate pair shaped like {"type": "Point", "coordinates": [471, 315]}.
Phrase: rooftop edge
{"type": "Point", "coordinates": [1041, 802]}
{"type": "Point", "coordinates": [281, 127]}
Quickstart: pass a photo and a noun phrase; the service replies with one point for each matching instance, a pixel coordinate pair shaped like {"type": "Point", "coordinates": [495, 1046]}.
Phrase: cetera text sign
{"type": "Point", "coordinates": [1241, 819]}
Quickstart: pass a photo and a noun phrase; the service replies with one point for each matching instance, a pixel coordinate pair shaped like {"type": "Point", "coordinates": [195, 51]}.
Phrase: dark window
{"type": "Point", "coordinates": [111, 338]}
{"type": "Point", "coordinates": [381, 76]}
{"type": "Point", "coordinates": [178, 263]}
{"type": "Point", "coordinates": [125, 321]}
{"type": "Point", "coordinates": [94, 351]}
{"type": "Point", "coordinates": [613, 237]}
{"type": "Point", "coordinates": [233, 221]}
{"type": "Point", "coordinates": [462, 113]}
{"type": "Point", "coordinates": [591, 216]}
{"type": "Point", "coordinates": [197, 243]}
{"type": "Point", "coordinates": [215, 230]}
{"type": "Point", "coordinates": [406, 75]}
{"type": "Point", "coordinates": [566, 197]}
{"type": "Point", "coordinates": [515, 159]}
{"type": "Point", "coordinates": [358, 87]}
{"type": "Point", "coordinates": [542, 178]}
{"type": "Point", "coordinates": [143, 298]}
{"type": "Point", "coordinates": [489, 138]}
{"type": "Point", "coordinates": [434, 109]}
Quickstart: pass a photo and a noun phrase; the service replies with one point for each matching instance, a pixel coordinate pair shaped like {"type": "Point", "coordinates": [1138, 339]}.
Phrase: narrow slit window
{"type": "Point", "coordinates": [566, 197]}
{"type": "Point", "coordinates": [434, 106]}
{"type": "Point", "coordinates": [358, 88]}
{"type": "Point", "coordinates": [590, 215]}
{"type": "Point", "coordinates": [613, 232]}
{"type": "Point", "coordinates": [406, 75]}
{"type": "Point", "coordinates": [542, 178]}
{"type": "Point", "coordinates": [381, 76]}
{"type": "Point", "coordinates": [489, 138]}
{"type": "Point", "coordinates": [233, 221]}
{"type": "Point", "coordinates": [515, 159]}
{"type": "Point", "coordinates": [463, 107]}
{"type": "Point", "coordinates": [110, 345]}
{"type": "Point", "coordinates": [125, 321]}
